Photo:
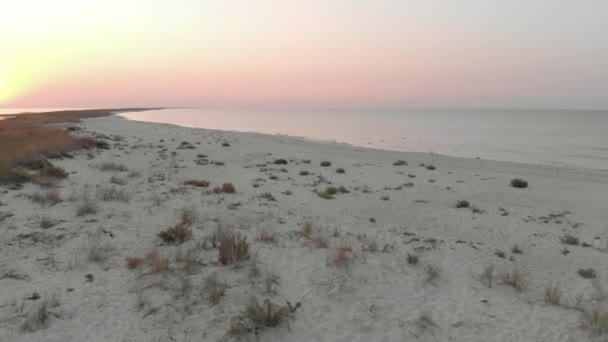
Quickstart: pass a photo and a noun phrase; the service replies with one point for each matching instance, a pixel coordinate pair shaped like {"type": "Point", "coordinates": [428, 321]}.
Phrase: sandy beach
{"type": "Point", "coordinates": [345, 243]}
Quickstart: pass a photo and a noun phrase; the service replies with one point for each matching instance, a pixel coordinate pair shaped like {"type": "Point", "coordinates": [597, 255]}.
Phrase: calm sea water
{"type": "Point", "coordinates": [573, 138]}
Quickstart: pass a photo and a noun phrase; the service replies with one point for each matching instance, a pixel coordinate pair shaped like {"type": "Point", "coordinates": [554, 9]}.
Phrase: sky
{"type": "Point", "coordinates": [313, 53]}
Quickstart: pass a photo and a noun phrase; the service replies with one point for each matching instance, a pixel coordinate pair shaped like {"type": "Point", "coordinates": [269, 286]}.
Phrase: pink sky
{"type": "Point", "coordinates": [317, 53]}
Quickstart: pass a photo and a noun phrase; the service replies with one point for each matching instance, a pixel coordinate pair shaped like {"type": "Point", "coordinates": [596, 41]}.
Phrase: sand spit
{"type": "Point", "coordinates": [178, 234]}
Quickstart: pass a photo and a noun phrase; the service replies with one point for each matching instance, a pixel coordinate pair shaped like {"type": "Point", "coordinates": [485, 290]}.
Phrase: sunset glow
{"type": "Point", "coordinates": [303, 53]}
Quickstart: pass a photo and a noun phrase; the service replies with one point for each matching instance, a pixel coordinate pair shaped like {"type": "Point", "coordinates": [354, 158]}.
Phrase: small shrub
{"type": "Point", "coordinates": [516, 250]}
{"type": "Point", "coordinates": [519, 183]}
{"type": "Point", "coordinates": [267, 196]}
{"type": "Point", "coordinates": [53, 172]}
{"type": "Point", "coordinates": [340, 170]}
{"type": "Point", "coordinates": [178, 233]}
{"type": "Point", "coordinates": [233, 247]}
{"type": "Point", "coordinates": [400, 163]}
{"type": "Point", "coordinates": [430, 167]}
{"type": "Point", "coordinates": [412, 259]}
{"type": "Point", "coordinates": [226, 188]}
{"type": "Point", "coordinates": [553, 295]}
{"type": "Point", "coordinates": [488, 274]}
{"type": "Point", "coordinates": [197, 183]}
{"type": "Point", "coordinates": [305, 231]}
{"type": "Point", "coordinates": [569, 240]}
{"type": "Point", "coordinates": [325, 163]}
{"type": "Point", "coordinates": [304, 173]}
{"type": "Point", "coordinates": [462, 204]}
{"type": "Point", "coordinates": [133, 262]}
{"type": "Point", "coordinates": [371, 247]}
{"type": "Point", "coordinates": [214, 289]}
{"type": "Point", "coordinates": [14, 176]}
{"type": "Point", "coordinates": [587, 273]}
{"type": "Point", "coordinates": [500, 253]}
{"type": "Point", "coordinates": [280, 162]}
{"type": "Point", "coordinates": [343, 255]}
{"type": "Point", "coordinates": [385, 198]}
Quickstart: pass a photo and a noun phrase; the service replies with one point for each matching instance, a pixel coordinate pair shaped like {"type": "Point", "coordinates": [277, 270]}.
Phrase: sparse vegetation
{"type": "Point", "coordinates": [500, 253]}
{"type": "Point", "coordinates": [197, 183]}
{"type": "Point", "coordinates": [516, 250]}
{"type": "Point", "coordinates": [87, 208]}
{"type": "Point", "coordinates": [267, 196]}
{"type": "Point", "coordinates": [343, 256]}
{"type": "Point", "coordinates": [304, 173]}
{"type": "Point", "coordinates": [280, 162]}
{"type": "Point", "coordinates": [49, 197]}
{"type": "Point", "coordinates": [214, 289]}
{"type": "Point", "coordinates": [233, 247]}
{"type": "Point", "coordinates": [587, 273]}
{"type": "Point", "coordinates": [432, 274]}
{"type": "Point", "coordinates": [325, 164]}
{"type": "Point", "coordinates": [177, 234]}
{"type": "Point", "coordinates": [569, 240]}
{"type": "Point", "coordinates": [340, 170]}
{"type": "Point", "coordinates": [515, 279]}
{"type": "Point", "coordinates": [430, 167]}
{"type": "Point", "coordinates": [112, 193]}
{"type": "Point", "coordinates": [227, 188]}
{"type": "Point", "coordinates": [400, 163]}
{"type": "Point", "coordinates": [258, 316]}
{"type": "Point", "coordinates": [596, 320]}
{"type": "Point", "coordinates": [329, 192]}
{"type": "Point", "coordinates": [412, 259]}
{"type": "Point", "coordinates": [112, 166]}
{"type": "Point", "coordinates": [553, 295]}
{"type": "Point", "coordinates": [462, 204]}
{"type": "Point", "coordinates": [133, 262]}
{"type": "Point", "coordinates": [519, 183]}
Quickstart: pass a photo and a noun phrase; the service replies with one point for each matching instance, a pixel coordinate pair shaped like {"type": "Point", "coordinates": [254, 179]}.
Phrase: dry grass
{"type": "Point", "coordinates": [412, 259]}
{"type": "Point", "coordinates": [596, 320]}
{"type": "Point", "coordinates": [226, 188]}
{"type": "Point", "coordinates": [488, 274]}
{"type": "Point", "coordinates": [553, 295]}
{"type": "Point", "coordinates": [133, 262]}
{"type": "Point", "coordinates": [267, 237]}
{"type": "Point", "coordinates": [197, 183]}
{"type": "Point", "coordinates": [320, 242]}
{"type": "Point", "coordinates": [178, 233]}
{"type": "Point", "coordinates": [343, 256]}
{"type": "Point", "coordinates": [233, 247]}
{"type": "Point", "coordinates": [158, 263]}
{"type": "Point", "coordinates": [306, 231]}
{"type": "Point", "coordinates": [433, 274]}
{"type": "Point", "coordinates": [514, 279]}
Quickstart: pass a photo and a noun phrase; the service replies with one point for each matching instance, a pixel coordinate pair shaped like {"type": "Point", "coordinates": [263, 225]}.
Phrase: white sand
{"type": "Point", "coordinates": [376, 297]}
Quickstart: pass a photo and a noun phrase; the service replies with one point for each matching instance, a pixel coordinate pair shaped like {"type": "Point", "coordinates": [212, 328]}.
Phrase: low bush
{"type": "Point", "coordinates": [519, 183]}
{"type": "Point", "coordinates": [233, 247]}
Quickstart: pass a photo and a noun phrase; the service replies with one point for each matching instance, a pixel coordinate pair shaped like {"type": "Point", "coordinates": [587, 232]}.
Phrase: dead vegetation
{"type": "Point", "coordinates": [233, 247]}
{"type": "Point", "coordinates": [257, 317]}
{"type": "Point", "coordinates": [178, 233]}
{"type": "Point", "coordinates": [197, 183]}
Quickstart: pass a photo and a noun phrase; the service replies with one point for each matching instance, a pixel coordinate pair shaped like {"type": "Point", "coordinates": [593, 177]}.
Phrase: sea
{"type": "Point", "coordinates": [562, 138]}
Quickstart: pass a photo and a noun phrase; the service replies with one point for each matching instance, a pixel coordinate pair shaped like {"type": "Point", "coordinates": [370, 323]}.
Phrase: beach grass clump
{"type": "Point", "coordinates": [325, 164]}
{"type": "Point", "coordinates": [569, 239]}
{"type": "Point", "coordinates": [329, 192]}
{"type": "Point", "coordinates": [267, 196]}
{"type": "Point", "coordinates": [412, 259]}
{"type": "Point", "coordinates": [233, 247]}
{"type": "Point", "coordinates": [226, 188]}
{"type": "Point", "coordinates": [587, 273]}
{"type": "Point", "coordinates": [113, 194]}
{"type": "Point", "coordinates": [15, 176]}
{"type": "Point", "coordinates": [553, 295]}
{"type": "Point", "coordinates": [400, 163]}
{"type": "Point", "coordinates": [462, 204]}
{"type": "Point", "coordinates": [177, 234]}
{"type": "Point", "coordinates": [340, 170]}
{"type": "Point", "coordinates": [197, 183]}
{"type": "Point", "coordinates": [519, 183]}
{"type": "Point", "coordinates": [280, 161]}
